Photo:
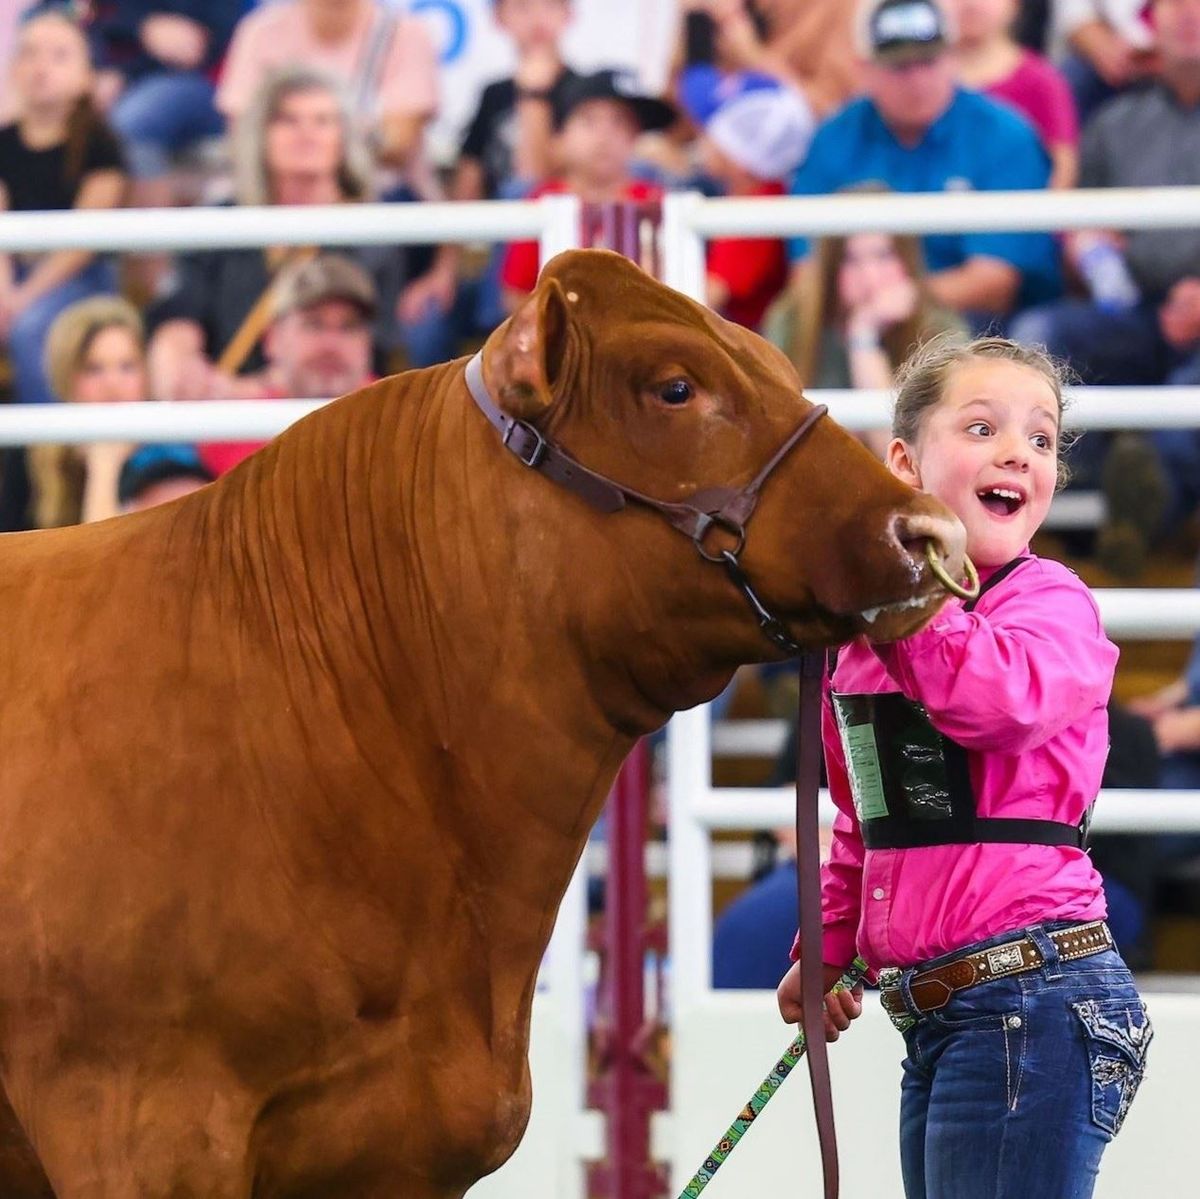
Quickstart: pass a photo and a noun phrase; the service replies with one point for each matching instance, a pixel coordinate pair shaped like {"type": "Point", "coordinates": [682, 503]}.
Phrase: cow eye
{"type": "Point", "coordinates": [677, 391]}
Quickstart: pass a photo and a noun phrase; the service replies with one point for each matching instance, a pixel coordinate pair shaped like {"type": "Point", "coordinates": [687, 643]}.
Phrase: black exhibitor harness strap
{"type": "Point", "coordinates": [911, 783]}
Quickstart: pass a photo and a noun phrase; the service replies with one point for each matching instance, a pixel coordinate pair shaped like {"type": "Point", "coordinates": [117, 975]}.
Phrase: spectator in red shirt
{"type": "Point", "coordinates": [756, 132]}
{"type": "Point", "coordinates": [597, 119]}
{"type": "Point", "coordinates": [318, 345]}
{"type": "Point", "coordinates": [991, 61]}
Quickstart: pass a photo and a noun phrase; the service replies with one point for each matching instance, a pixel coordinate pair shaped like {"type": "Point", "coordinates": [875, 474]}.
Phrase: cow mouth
{"type": "Point", "coordinates": [1002, 502]}
{"type": "Point", "coordinates": [870, 615]}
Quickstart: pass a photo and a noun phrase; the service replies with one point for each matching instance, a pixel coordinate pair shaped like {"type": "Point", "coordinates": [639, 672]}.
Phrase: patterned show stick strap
{"type": "Point", "coordinates": [769, 1085]}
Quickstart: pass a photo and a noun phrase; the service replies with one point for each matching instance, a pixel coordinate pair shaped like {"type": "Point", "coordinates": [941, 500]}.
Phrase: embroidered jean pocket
{"type": "Point", "coordinates": [1118, 1033]}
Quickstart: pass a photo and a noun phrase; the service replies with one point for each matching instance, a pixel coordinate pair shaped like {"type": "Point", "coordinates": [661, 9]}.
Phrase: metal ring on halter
{"type": "Point", "coordinates": [970, 591]}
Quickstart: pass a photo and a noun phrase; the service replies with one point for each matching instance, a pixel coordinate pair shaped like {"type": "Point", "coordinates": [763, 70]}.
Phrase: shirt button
{"type": "Point", "coordinates": [878, 893]}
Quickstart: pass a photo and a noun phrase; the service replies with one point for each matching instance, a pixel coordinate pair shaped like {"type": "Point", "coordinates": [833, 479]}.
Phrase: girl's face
{"type": "Point", "coordinates": [870, 264]}
{"type": "Point", "coordinates": [982, 20]}
{"type": "Point", "coordinates": [113, 369]}
{"type": "Point", "coordinates": [304, 136]}
{"type": "Point", "coordinates": [51, 66]}
{"type": "Point", "coordinates": [989, 451]}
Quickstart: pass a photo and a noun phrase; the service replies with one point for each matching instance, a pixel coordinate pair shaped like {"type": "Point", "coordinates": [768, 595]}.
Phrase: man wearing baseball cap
{"type": "Point", "coordinates": [318, 345]}
{"type": "Point", "coordinates": [915, 130]}
{"type": "Point", "coordinates": [597, 120]}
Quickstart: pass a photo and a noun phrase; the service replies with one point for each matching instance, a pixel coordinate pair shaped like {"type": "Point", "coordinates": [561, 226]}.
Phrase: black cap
{"type": "Point", "coordinates": [900, 31]}
{"type": "Point", "coordinates": [612, 84]}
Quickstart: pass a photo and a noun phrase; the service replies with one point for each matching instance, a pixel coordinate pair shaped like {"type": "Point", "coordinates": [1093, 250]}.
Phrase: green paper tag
{"type": "Point", "coordinates": [862, 765]}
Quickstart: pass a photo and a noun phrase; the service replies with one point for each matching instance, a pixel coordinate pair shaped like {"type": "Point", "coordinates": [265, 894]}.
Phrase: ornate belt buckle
{"type": "Point", "coordinates": [889, 978]}
{"type": "Point", "coordinates": [1004, 959]}
{"type": "Point", "coordinates": [889, 984]}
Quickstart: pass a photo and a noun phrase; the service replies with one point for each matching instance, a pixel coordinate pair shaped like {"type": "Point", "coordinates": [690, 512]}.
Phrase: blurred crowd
{"type": "Point", "coordinates": [150, 103]}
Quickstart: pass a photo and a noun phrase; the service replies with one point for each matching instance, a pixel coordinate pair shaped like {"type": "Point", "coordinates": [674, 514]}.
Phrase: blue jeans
{"type": "Point", "coordinates": [1179, 450]}
{"type": "Point", "coordinates": [27, 337]}
{"type": "Point", "coordinates": [1015, 1087]}
{"type": "Point", "coordinates": [477, 309]}
{"type": "Point", "coordinates": [159, 115]}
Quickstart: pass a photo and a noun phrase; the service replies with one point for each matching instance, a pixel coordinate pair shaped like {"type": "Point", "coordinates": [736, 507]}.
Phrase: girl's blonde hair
{"type": "Point", "coordinates": [252, 184]}
{"type": "Point", "coordinates": [75, 328]}
{"type": "Point", "coordinates": [921, 381]}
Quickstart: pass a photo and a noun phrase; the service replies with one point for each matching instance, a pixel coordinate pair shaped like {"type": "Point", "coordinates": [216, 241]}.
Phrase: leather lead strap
{"type": "Point", "coordinates": [808, 887]}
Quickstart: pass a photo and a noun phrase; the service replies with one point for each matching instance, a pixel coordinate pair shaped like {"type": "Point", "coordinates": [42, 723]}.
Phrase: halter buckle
{"type": "Point", "coordinates": [528, 453]}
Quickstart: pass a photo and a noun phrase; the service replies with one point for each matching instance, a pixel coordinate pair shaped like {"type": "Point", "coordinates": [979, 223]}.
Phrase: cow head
{"type": "Point", "coordinates": [647, 387]}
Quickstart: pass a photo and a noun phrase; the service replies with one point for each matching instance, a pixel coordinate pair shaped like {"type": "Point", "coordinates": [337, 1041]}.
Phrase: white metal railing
{"type": "Point", "coordinates": [944, 212]}
{"type": "Point", "coordinates": [132, 230]}
{"type": "Point", "coordinates": [212, 420]}
{"type": "Point", "coordinates": [696, 807]}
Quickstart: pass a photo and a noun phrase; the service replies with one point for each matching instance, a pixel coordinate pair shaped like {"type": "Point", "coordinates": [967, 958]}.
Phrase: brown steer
{"type": "Point", "coordinates": [294, 771]}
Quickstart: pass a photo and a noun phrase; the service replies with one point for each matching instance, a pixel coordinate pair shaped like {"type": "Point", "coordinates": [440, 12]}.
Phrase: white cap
{"type": "Point", "coordinates": [766, 131]}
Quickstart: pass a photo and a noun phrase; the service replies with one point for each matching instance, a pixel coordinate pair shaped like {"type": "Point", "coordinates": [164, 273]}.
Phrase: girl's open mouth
{"type": "Point", "coordinates": [1001, 501]}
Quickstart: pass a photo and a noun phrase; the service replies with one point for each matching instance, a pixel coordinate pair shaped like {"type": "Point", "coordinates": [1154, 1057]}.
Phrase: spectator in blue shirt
{"type": "Point", "coordinates": [915, 130]}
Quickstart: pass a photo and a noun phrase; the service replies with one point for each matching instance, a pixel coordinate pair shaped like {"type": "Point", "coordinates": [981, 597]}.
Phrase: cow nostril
{"type": "Point", "coordinates": [911, 541]}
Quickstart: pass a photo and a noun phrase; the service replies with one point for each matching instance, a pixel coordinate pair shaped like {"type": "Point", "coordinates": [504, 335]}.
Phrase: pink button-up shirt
{"type": "Point", "coordinates": [1021, 683]}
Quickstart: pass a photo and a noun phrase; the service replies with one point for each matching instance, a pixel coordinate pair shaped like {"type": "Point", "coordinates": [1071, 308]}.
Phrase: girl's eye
{"type": "Point", "coordinates": [980, 427]}
{"type": "Point", "coordinates": [1041, 441]}
{"type": "Point", "coordinates": [677, 391]}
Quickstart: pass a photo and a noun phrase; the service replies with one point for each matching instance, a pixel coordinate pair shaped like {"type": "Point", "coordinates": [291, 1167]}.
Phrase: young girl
{"type": "Point", "coordinates": [964, 761]}
{"type": "Point", "coordinates": [992, 61]}
{"type": "Point", "coordinates": [58, 154]}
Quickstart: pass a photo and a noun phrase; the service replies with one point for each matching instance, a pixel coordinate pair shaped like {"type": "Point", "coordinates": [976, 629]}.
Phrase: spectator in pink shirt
{"type": "Point", "coordinates": [386, 60]}
{"type": "Point", "coordinates": [964, 761]}
{"type": "Point", "coordinates": [991, 61]}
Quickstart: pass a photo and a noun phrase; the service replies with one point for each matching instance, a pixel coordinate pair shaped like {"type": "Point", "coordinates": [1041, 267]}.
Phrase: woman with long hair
{"type": "Point", "coordinates": [57, 154]}
{"type": "Point", "coordinates": [861, 309]}
{"type": "Point", "coordinates": [95, 354]}
{"type": "Point", "coordinates": [297, 144]}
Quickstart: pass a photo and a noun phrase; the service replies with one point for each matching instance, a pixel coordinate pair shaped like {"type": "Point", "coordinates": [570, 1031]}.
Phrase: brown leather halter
{"type": "Point", "coordinates": [705, 510]}
{"type": "Point", "coordinates": [729, 510]}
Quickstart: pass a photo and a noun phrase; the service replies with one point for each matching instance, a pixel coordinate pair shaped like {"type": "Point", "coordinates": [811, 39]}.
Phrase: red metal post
{"type": "Point", "coordinates": [627, 1088]}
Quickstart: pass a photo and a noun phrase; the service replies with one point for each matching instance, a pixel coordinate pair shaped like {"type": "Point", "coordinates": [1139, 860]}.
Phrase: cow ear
{"type": "Point", "coordinates": [526, 365]}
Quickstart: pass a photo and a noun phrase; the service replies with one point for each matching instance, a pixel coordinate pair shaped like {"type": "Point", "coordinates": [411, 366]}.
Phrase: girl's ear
{"type": "Point", "coordinates": [901, 460]}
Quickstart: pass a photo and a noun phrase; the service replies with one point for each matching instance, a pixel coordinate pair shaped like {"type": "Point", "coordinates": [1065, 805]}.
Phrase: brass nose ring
{"type": "Point", "coordinates": [970, 591]}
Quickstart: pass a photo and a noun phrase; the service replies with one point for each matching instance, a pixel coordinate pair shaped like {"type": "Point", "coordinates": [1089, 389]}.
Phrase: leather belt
{"type": "Point", "coordinates": [932, 989]}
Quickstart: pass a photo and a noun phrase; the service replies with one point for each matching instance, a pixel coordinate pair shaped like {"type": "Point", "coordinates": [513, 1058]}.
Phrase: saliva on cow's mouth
{"type": "Point", "coordinates": [870, 616]}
